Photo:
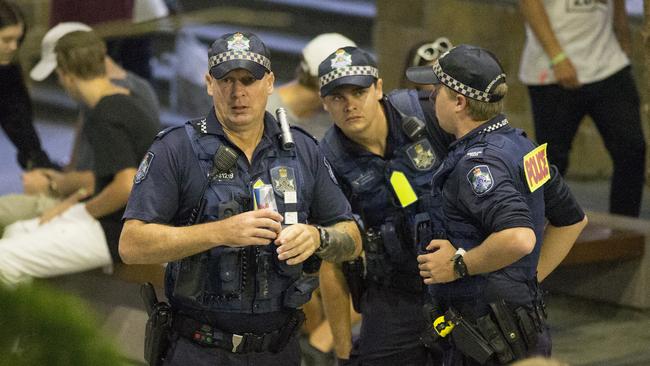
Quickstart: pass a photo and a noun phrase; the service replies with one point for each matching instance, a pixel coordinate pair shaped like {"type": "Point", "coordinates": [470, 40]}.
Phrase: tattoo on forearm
{"type": "Point", "coordinates": [339, 246]}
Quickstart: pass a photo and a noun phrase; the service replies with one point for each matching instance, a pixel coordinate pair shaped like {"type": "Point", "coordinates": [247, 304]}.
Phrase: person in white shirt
{"type": "Point", "coordinates": [575, 63]}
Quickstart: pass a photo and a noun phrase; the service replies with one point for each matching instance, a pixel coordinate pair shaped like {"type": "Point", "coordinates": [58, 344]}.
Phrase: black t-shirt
{"type": "Point", "coordinates": [119, 132]}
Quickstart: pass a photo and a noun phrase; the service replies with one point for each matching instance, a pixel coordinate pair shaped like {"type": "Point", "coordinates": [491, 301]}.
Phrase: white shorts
{"type": "Point", "coordinates": [71, 242]}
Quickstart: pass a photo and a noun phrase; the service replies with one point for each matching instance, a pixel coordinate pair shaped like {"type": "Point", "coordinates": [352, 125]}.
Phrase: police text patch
{"type": "Point", "coordinates": [536, 168]}
{"type": "Point", "coordinates": [480, 178]}
{"type": "Point", "coordinates": [143, 169]}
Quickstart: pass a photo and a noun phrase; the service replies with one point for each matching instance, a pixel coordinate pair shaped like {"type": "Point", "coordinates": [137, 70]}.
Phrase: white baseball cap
{"type": "Point", "coordinates": [47, 64]}
{"type": "Point", "coordinates": [320, 47]}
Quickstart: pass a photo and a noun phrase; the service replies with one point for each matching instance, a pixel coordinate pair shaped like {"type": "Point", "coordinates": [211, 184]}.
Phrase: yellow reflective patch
{"type": "Point", "coordinates": [536, 168]}
{"type": "Point", "coordinates": [402, 188]}
{"type": "Point", "coordinates": [258, 183]}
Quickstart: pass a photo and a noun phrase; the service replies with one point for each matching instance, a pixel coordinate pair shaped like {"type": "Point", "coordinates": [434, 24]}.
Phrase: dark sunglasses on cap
{"type": "Point", "coordinates": [431, 51]}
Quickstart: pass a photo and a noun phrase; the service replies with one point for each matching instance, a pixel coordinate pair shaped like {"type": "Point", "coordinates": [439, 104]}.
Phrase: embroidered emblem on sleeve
{"type": "Point", "coordinates": [536, 168]}
{"type": "Point", "coordinates": [480, 178]}
{"type": "Point", "coordinates": [143, 169]}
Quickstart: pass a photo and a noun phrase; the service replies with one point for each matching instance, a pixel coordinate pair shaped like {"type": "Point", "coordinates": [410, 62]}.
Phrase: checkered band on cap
{"type": "Point", "coordinates": [463, 89]}
{"type": "Point", "coordinates": [342, 72]}
{"type": "Point", "coordinates": [240, 55]}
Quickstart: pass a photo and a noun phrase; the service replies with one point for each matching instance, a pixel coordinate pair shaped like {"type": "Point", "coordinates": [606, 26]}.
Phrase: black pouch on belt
{"type": "Point", "coordinates": [468, 340]}
{"type": "Point", "coordinates": [495, 338]}
{"type": "Point", "coordinates": [527, 326]}
{"type": "Point", "coordinates": [502, 315]}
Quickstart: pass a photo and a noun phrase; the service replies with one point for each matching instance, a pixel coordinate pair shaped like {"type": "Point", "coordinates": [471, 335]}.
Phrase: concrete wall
{"type": "Point", "coordinates": [498, 26]}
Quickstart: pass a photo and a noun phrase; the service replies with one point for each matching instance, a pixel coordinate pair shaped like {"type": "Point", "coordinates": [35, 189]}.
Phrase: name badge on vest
{"type": "Point", "coordinates": [228, 176]}
{"type": "Point", "coordinates": [284, 184]}
{"type": "Point", "coordinates": [421, 155]}
{"type": "Point", "coordinates": [364, 181]}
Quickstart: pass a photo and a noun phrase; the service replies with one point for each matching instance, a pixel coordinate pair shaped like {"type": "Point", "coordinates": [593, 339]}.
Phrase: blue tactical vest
{"type": "Point", "coordinates": [393, 234]}
{"type": "Point", "coordinates": [249, 279]}
{"type": "Point", "coordinates": [513, 282]}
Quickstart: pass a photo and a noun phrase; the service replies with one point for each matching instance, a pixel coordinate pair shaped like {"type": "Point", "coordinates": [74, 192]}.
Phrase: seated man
{"type": "Point", "coordinates": [44, 188]}
{"type": "Point", "coordinates": [73, 236]}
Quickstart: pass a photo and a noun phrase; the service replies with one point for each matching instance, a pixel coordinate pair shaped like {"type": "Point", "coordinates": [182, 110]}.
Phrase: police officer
{"type": "Point", "coordinates": [491, 183]}
{"type": "Point", "coordinates": [236, 278]}
{"type": "Point", "coordinates": [384, 150]}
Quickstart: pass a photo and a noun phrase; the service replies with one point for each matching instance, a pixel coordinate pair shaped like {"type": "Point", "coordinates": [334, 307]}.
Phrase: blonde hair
{"type": "Point", "coordinates": [483, 111]}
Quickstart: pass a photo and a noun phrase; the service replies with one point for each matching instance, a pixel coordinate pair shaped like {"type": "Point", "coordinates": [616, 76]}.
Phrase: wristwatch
{"type": "Point", "coordinates": [324, 239]}
{"type": "Point", "coordinates": [459, 263]}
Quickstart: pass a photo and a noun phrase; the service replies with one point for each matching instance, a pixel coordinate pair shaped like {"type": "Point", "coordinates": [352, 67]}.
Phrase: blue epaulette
{"type": "Point", "coordinates": [164, 132]}
{"type": "Point", "coordinates": [306, 133]}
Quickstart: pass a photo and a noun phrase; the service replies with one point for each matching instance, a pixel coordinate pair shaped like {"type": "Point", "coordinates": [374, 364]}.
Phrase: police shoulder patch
{"type": "Point", "coordinates": [143, 169]}
{"type": "Point", "coordinates": [480, 179]}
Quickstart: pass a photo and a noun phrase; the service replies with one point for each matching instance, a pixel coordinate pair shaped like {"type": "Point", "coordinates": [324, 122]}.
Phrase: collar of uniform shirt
{"type": "Point", "coordinates": [214, 127]}
{"type": "Point", "coordinates": [489, 126]}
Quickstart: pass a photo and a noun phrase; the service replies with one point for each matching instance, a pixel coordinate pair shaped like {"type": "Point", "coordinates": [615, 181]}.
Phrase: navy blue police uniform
{"type": "Point", "coordinates": [493, 178]}
{"type": "Point", "coordinates": [243, 306]}
{"type": "Point", "coordinates": [485, 191]}
{"type": "Point", "coordinates": [394, 293]}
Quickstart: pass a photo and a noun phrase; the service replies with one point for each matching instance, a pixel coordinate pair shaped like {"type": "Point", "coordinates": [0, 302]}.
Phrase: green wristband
{"type": "Point", "coordinates": [558, 58]}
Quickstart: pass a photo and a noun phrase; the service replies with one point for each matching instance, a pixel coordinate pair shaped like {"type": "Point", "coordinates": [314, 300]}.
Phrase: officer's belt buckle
{"type": "Point", "coordinates": [236, 341]}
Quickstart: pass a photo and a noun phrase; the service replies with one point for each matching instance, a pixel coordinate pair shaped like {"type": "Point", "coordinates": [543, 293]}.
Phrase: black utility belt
{"type": "Point", "coordinates": [503, 335]}
{"type": "Point", "coordinates": [208, 336]}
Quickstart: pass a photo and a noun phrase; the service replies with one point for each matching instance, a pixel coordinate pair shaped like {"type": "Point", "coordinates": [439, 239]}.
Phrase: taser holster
{"type": "Point", "coordinates": [503, 335]}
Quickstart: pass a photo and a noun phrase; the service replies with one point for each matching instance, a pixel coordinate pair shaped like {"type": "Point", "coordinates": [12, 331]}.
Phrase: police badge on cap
{"type": "Point", "coordinates": [240, 50]}
{"type": "Point", "coordinates": [347, 66]}
{"type": "Point", "coordinates": [238, 42]}
{"type": "Point", "coordinates": [341, 59]}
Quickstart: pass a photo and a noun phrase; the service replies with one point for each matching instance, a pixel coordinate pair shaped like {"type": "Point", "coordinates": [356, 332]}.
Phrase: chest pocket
{"type": "Point", "coordinates": [371, 197]}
